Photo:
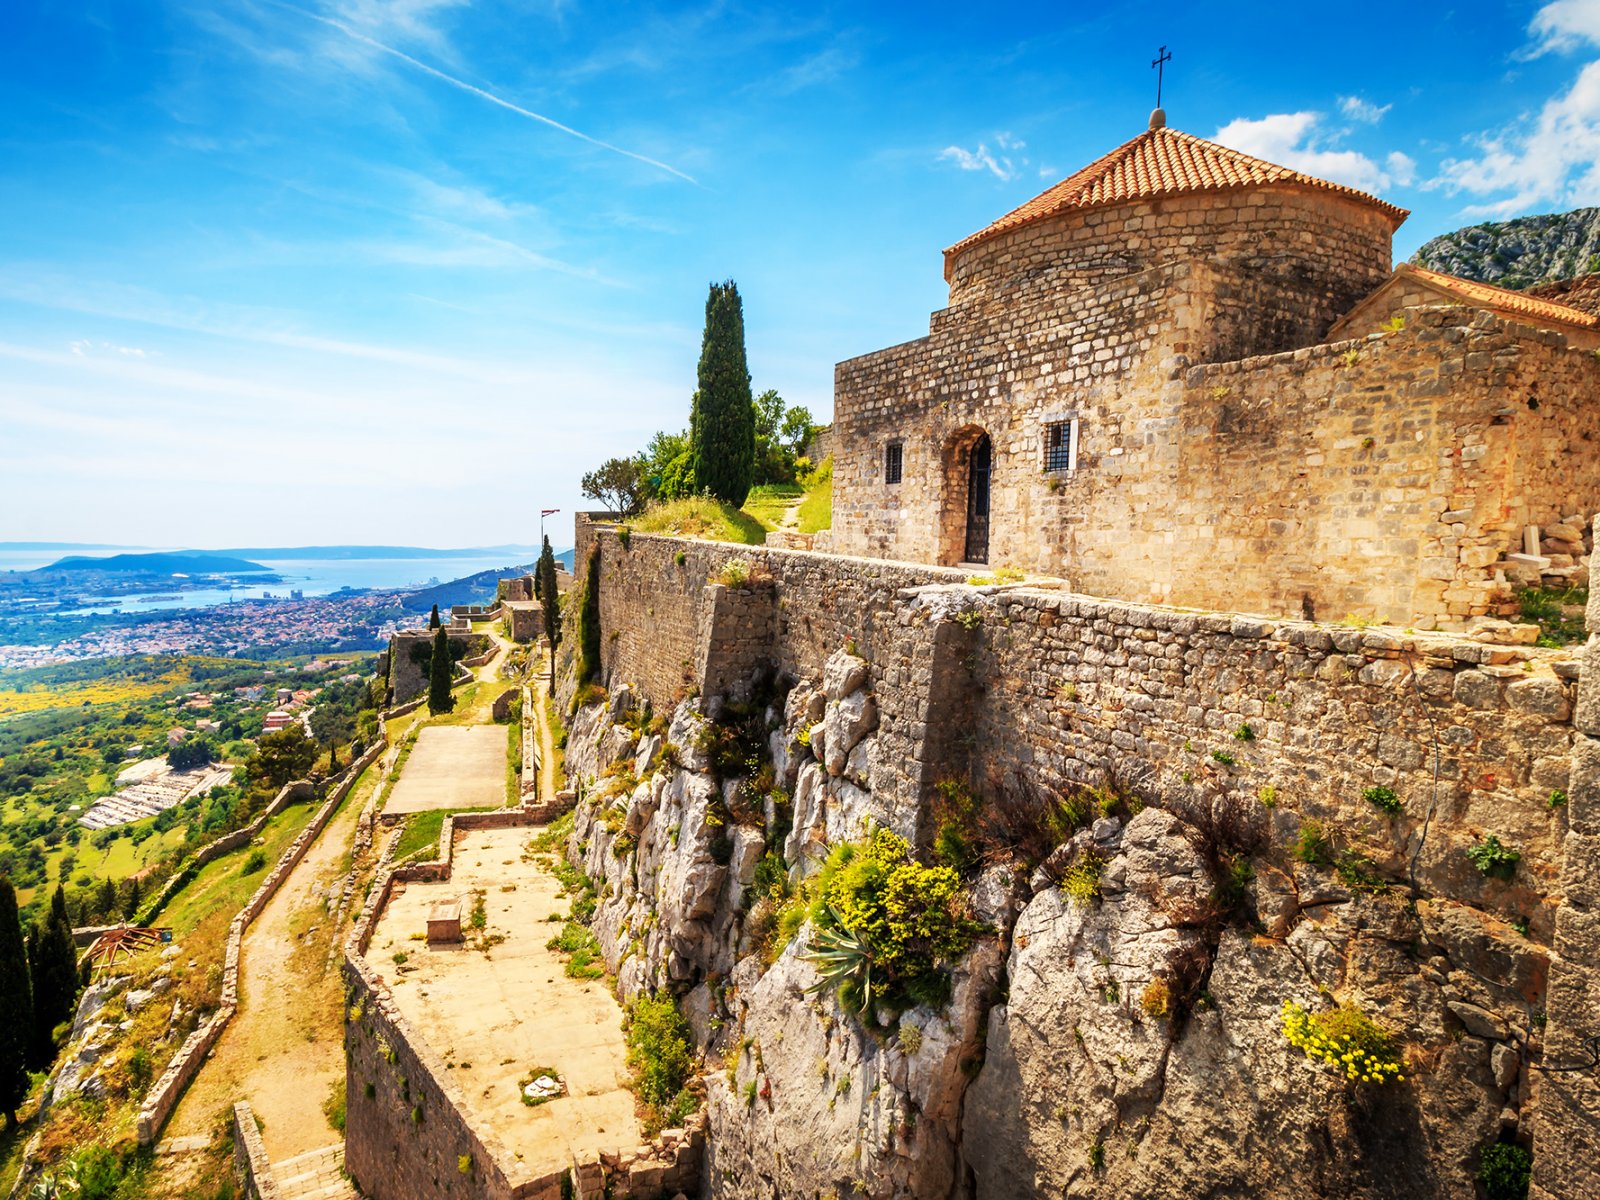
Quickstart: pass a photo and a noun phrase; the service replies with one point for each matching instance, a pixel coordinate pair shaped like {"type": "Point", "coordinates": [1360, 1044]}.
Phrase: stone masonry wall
{"type": "Point", "coordinates": [1295, 726]}
{"type": "Point", "coordinates": [1338, 248]}
{"type": "Point", "coordinates": [1567, 1143]}
{"type": "Point", "coordinates": [1385, 478]}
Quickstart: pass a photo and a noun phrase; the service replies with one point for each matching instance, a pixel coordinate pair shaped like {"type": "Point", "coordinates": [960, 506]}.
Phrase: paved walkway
{"type": "Point", "coordinates": [500, 1012]}
{"type": "Point", "coordinates": [452, 766]}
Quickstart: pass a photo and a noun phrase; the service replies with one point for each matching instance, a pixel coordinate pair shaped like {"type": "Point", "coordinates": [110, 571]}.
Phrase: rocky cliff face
{"type": "Point", "coordinates": [1520, 253]}
{"type": "Point", "coordinates": [1116, 1026]}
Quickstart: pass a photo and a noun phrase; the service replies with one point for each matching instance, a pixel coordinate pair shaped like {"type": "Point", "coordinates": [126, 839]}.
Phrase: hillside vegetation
{"type": "Point", "coordinates": [1520, 253]}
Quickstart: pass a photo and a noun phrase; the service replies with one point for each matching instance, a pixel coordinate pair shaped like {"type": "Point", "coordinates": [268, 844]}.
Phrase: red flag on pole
{"type": "Point", "coordinates": [546, 512]}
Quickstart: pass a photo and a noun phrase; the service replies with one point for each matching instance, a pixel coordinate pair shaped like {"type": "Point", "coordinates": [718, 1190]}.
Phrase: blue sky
{"type": "Point", "coordinates": [356, 270]}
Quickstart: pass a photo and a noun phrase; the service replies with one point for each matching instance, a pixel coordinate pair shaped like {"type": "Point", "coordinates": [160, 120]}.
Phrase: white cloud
{"type": "Point", "coordinates": [1365, 111]}
{"type": "Point", "coordinates": [1552, 158]}
{"type": "Point", "coordinates": [1003, 163]}
{"type": "Point", "coordinates": [1402, 168]}
{"type": "Point", "coordinates": [1563, 26]}
{"type": "Point", "coordinates": [1299, 140]}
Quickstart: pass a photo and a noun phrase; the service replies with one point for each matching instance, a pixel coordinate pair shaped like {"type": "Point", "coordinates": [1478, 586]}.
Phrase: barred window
{"type": "Point", "coordinates": [893, 462]}
{"type": "Point", "coordinates": [1061, 445]}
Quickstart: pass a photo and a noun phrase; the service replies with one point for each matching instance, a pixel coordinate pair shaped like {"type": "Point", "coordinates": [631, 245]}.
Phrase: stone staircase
{"type": "Point", "coordinates": [314, 1175]}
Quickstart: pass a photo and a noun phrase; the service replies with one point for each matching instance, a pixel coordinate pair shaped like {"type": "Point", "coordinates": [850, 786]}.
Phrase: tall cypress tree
{"type": "Point", "coordinates": [16, 1002]}
{"type": "Point", "coordinates": [589, 622]}
{"type": "Point", "coordinates": [433, 618]}
{"type": "Point", "coordinates": [53, 963]}
{"type": "Point", "coordinates": [722, 422]}
{"type": "Point", "coordinates": [549, 597]}
{"type": "Point", "coordinates": [439, 671]}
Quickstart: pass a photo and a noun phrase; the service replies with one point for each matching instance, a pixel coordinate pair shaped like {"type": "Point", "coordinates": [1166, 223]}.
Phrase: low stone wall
{"type": "Point", "coordinates": [163, 1096]}
{"type": "Point", "coordinates": [407, 1132]}
{"type": "Point", "coordinates": [532, 747]}
{"type": "Point", "coordinates": [299, 789]}
{"type": "Point", "coordinates": [251, 1168]}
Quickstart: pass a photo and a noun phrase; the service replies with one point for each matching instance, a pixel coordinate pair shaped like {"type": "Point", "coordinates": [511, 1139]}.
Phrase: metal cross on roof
{"type": "Point", "coordinates": [1159, 64]}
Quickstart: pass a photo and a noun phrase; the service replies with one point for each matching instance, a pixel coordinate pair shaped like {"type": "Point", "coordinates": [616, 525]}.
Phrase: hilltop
{"type": "Point", "coordinates": [178, 562]}
{"type": "Point", "coordinates": [1521, 253]}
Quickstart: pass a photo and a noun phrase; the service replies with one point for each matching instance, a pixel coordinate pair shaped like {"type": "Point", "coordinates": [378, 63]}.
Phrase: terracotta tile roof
{"type": "Point", "coordinates": [1582, 293]}
{"type": "Point", "coordinates": [1162, 162]}
{"type": "Point", "coordinates": [1484, 295]}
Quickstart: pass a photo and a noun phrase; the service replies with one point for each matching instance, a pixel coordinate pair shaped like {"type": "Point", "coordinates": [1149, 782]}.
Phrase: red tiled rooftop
{"type": "Point", "coordinates": [1486, 295]}
{"type": "Point", "coordinates": [1163, 162]}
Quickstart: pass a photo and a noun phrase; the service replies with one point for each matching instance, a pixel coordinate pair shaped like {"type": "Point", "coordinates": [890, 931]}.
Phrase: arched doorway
{"type": "Point", "coordinates": [967, 458]}
{"type": "Point", "coordinates": [980, 461]}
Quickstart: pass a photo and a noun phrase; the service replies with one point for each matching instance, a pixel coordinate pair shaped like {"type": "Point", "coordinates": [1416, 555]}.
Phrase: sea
{"type": "Point", "coordinates": [310, 577]}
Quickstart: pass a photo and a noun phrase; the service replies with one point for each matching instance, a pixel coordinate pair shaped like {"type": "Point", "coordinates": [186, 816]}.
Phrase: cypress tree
{"type": "Point", "coordinates": [16, 1002]}
{"type": "Point", "coordinates": [433, 618]}
{"type": "Point", "coordinates": [722, 423]}
{"type": "Point", "coordinates": [106, 900]}
{"type": "Point", "coordinates": [589, 621]}
{"type": "Point", "coordinates": [549, 597]}
{"type": "Point", "coordinates": [53, 961]}
{"type": "Point", "coordinates": [439, 698]}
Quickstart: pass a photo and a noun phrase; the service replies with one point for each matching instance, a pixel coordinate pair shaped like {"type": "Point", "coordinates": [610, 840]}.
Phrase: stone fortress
{"type": "Point", "coordinates": [1189, 376]}
{"type": "Point", "coordinates": [1181, 377]}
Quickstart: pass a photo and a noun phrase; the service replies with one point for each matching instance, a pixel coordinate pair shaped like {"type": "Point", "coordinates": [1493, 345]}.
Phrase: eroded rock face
{"type": "Point", "coordinates": [1128, 1044]}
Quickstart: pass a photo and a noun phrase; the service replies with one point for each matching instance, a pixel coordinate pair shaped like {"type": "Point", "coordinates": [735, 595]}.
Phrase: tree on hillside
{"type": "Point", "coordinates": [192, 752]}
{"type": "Point", "coordinates": [549, 596]}
{"type": "Point", "coordinates": [667, 473]}
{"type": "Point", "coordinates": [16, 1002]}
{"type": "Point", "coordinates": [105, 900]}
{"type": "Point", "coordinates": [617, 483]}
{"type": "Point", "coordinates": [433, 618]}
{"type": "Point", "coordinates": [439, 671]}
{"type": "Point", "coordinates": [722, 423]}
{"type": "Point", "coordinates": [283, 756]}
{"type": "Point", "coordinates": [53, 967]}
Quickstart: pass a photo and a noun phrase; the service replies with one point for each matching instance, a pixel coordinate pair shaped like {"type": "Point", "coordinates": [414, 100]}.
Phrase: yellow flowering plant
{"type": "Point", "coordinates": [1346, 1039]}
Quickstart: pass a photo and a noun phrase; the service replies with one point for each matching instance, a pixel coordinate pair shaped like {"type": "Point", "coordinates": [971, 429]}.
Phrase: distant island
{"type": "Point", "coordinates": [177, 563]}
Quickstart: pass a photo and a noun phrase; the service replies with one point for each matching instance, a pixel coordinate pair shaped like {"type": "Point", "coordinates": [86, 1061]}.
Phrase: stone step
{"type": "Point", "coordinates": [314, 1175]}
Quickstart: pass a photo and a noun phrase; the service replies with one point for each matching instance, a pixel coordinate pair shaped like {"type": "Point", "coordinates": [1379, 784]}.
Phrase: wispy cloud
{"type": "Point", "coordinates": [1365, 111]}
{"type": "Point", "coordinates": [483, 94]}
{"type": "Point", "coordinates": [1303, 141]}
{"type": "Point", "coordinates": [823, 67]}
{"type": "Point", "coordinates": [1545, 159]}
{"type": "Point", "coordinates": [1005, 162]}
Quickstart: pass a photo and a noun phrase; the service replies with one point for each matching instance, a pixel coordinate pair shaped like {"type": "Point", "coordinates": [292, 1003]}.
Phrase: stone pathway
{"type": "Point", "coordinates": [283, 1050]}
{"type": "Point", "coordinates": [314, 1175]}
{"type": "Point", "coordinates": [453, 767]}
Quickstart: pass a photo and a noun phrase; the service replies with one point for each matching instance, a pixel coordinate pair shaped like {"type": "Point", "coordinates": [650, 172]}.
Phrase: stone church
{"type": "Point", "coordinates": [1190, 376]}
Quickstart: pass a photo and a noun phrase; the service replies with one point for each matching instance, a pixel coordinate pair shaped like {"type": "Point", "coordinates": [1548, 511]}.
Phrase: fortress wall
{"type": "Point", "coordinates": [1070, 689]}
{"type": "Point", "coordinates": [1340, 248]}
{"type": "Point", "coordinates": [1567, 1138]}
{"type": "Point", "coordinates": [1041, 688]}
{"type": "Point", "coordinates": [1383, 477]}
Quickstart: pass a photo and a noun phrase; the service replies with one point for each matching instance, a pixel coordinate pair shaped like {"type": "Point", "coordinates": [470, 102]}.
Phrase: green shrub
{"type": "Point", "coordinates": [906, 917]}
{"type": "Point", "coordinates": [1557, 799]}
{"type": "Point", "coordinates": [582, 950]}
{"type": "Point", "coordinates": [1081, 882]}
{"type": "Point", "coordinates": [253, 862]}
{"type": "Point", "coordinates": [1345, 1038]}
{"type": "Point", "coordinates": [334, 1106]}
{"type": "Point", "coordinates": [658, 1049]}
{"type": "Point", "coordinates": [1223, 757]}
{"type": "Point", "coordinates": [1494, 859]}
{"type": "Point", "coordinates": [1313, 846]}
{"type": "Point", "coordinates": [1504, 1169]}
{"type": "Point", "coordinates": [1384, 798]}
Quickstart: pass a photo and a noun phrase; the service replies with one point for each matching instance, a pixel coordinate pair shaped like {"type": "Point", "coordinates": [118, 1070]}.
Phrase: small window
{"type": "Point", "coordinates": [893, 462]}
{"type": "Point", "coordinates": [1061, 445]}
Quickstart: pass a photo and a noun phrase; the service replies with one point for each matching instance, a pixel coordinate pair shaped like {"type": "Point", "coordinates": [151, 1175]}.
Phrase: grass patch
{"type": "Point", "coordinates": [1558, 614]}
{"type": "Point", "coordinates": [421, 834]}
{"type": "Point", "coordinates": [704, 518]}
{"type": "Point", "coordinates": [582, 951]}
{"type": "Point", "coordinates": [770, 502]}
{"type": "Point", "coordinates": [816, 510]}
